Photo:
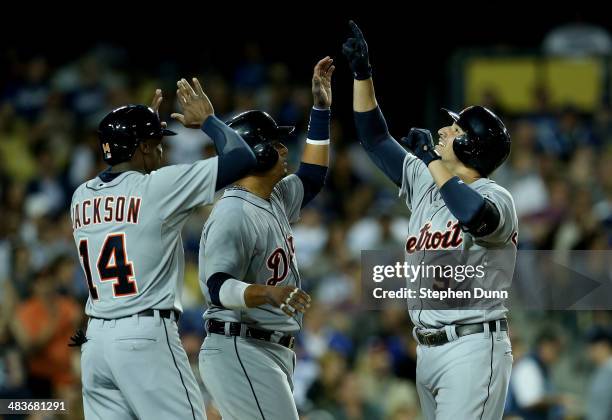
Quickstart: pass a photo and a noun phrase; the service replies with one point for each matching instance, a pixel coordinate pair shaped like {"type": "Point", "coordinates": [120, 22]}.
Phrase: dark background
{"type": "Point", "coordinates": [410, 49]}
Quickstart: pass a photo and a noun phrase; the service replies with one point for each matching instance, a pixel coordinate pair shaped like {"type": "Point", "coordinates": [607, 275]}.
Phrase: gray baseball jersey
{"type": "Point", "coordinates": [127, 228]}
{"type": "Point", "coordinates": [432, 226]}
{"type": "Point", "coordinates": [442, 371]}
{"type": "Point", "coordinates": [128, 234]}
{"type": "Point", "coordinates": [251, 239]}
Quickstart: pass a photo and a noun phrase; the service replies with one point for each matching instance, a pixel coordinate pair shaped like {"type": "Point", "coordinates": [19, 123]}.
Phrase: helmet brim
{"type": "Point", "coordinates": [285, 130]}
{"type": "Point", "coordinates": [452, 114]}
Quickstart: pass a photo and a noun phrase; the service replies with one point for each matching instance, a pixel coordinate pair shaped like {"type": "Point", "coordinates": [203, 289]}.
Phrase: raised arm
{"type": "Point", "coordinates": [236, 158]}
{"type": "Point", "coordinates": [370, 123]}
{"type": "Point", "coordinates": [315, 158]}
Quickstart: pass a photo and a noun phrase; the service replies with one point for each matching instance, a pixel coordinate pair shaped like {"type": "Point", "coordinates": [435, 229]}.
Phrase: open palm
{"type": "Point", "coordinates": [321, 83]}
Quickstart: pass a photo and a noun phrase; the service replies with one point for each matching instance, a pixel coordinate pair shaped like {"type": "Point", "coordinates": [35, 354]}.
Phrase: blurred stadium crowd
{"type": "Point", "coordinates": [352, 364]}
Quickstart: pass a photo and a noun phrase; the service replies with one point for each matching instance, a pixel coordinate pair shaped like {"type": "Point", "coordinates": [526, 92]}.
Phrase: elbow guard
{"type": "Point", "coordinates": [485, 222]}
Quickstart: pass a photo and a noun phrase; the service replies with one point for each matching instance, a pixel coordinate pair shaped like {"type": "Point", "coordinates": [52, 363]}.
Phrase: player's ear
{"type": "Point", "coordinates": [145, 147]}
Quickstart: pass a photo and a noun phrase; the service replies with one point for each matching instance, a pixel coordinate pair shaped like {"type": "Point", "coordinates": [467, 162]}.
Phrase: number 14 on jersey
{"type": "Point", "coordinates": [112, 265]}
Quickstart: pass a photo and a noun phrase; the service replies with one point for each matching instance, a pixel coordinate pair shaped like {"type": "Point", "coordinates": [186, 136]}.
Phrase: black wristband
{"type": "Point", "coordinates": [429, 156]}
{"type": "Point", "coordinates": [363, 74]}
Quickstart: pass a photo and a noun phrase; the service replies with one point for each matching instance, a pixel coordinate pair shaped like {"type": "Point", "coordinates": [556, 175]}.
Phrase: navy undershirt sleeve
{"type": "Point", "coordinates": [382, 148]}
{"type": "Point", "coordinates": [236, 158]}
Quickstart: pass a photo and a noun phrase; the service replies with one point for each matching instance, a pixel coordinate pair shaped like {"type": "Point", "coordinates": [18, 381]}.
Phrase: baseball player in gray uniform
{"type": "Point", "coordinates": [127, 228]}
{"type": "Point", "coordinates": [464, 356]}
{"type": "Point", "coordinates": [248, 266]}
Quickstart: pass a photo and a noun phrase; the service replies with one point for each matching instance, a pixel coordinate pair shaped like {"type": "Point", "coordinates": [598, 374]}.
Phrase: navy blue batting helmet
{"type": "Point", "coordinates": [486, 142]}
{"type": "Point", "coordinates": [124, 128]}
{"type": "Point", "coordinates": [260, 131]}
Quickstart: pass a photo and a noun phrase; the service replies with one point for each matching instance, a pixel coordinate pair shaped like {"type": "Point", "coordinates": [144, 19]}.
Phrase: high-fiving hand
{"type": "Point", "coordinates": [321, 83]}
{"type": "Point", "coordinates": [156, 102]}
{"type": "Point", "coordinates": [194, 103]}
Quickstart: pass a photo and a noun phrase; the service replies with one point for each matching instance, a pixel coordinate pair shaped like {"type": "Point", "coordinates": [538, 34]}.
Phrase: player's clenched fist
{"type": "Point", "coordinates": [290, 299]}
{"type": "Point", "coordinates": [420, 142]}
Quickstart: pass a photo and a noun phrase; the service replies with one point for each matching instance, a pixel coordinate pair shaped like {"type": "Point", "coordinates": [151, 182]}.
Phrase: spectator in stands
{"type": "Point", "coordinates": [599, 352]}
{"type": "Point", "coordinates": [380, 386]}
{"type": "Point", "coordinates": [12, 371]}
{"type": "Point", "coordinates": [351, 403]}
{"type": "Point", "coordinates": [42, 326]}
{"type": "Point", "coordinates": [531, 394]}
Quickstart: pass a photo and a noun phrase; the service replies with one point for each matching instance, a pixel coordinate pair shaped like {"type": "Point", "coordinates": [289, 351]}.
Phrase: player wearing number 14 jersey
{"type": "Point", "coordinates": [127, 228]}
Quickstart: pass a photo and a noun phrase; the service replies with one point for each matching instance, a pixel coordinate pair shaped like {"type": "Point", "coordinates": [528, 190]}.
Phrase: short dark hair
{"type": "Point", "coordinates": [599, 334]}
{"type": "Point", "coordinates": [550, 334]}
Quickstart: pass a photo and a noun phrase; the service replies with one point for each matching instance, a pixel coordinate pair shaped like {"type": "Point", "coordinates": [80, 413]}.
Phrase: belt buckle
{"type": "Point", "coordinates": [427, 338]}
{"type": "Point", "coordinates": [291, 343]}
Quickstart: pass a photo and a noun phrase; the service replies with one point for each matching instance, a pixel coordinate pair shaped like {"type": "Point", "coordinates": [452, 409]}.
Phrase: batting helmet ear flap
{"type": "Point", "coordinates": [462, 145]}
{"type": "Point", "coordinates": [266, 155]}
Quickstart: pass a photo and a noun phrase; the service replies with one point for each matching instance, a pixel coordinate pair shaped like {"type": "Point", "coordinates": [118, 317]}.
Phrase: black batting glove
{"type": "Point", "coordinates": [78, 339]}
{"type": "Point", "coordinates": [420, 142]}
{"type": "Point", "coordinates": [355, 49]}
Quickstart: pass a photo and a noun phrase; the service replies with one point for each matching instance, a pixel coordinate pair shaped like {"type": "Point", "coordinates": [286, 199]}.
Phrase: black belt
{"type": "Point", "coordinates": [218, 327]}
{"type": "Point", "coordinates": [438, 338]}
{"type": "Point", "coordinates": [164, 313]}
